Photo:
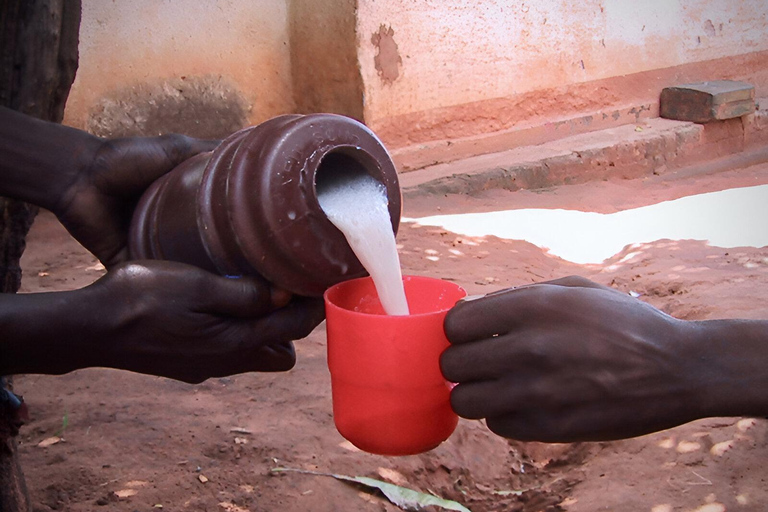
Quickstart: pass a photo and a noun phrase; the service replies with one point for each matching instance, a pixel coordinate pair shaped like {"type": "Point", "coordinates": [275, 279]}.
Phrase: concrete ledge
{"type": "Point", "coordinates": [651, 147]}
{"type": "Point", "coordinates": [422, 155]}
{"type": "Point", "coordinates": [441, 135]}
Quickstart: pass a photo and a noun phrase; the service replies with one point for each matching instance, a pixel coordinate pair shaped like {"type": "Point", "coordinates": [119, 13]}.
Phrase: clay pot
{"type": "Point", "coordinates": [250, 206]}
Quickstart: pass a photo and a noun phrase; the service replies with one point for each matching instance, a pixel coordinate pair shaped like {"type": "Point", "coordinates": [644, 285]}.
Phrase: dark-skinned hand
{"type": "Point", "coordinates": [159, 318]}
{"type": "Point", "coordinates": [570, 360]}
{"type": "Point", "coordinates": [97, 206]}
{"type": "Point", "coordinates": [181, 322]}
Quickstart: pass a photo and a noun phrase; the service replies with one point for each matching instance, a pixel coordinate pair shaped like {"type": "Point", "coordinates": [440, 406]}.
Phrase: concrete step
{"type": "Point", "coordinates": [652, 146]}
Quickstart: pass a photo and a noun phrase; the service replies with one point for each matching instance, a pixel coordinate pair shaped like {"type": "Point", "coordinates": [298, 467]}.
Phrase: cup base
{"type": "Point", "coordinates": [395, 421]}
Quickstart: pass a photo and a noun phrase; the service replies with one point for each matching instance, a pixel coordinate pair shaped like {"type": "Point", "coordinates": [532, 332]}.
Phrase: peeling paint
{"type": "Point", "coordinates": [709, 28]}
{"type": "Point", "coordinates": [387, 59]}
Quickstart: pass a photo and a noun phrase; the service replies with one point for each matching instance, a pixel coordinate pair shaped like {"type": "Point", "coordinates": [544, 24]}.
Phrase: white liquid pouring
{"type": "Point", "coordinates": [357, 205]}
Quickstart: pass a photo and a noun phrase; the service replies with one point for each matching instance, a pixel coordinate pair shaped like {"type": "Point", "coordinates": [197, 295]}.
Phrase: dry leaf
{"type": "Point", "coordinates": [711, 507]}
{"type": "Point", "coordinates": [406, 499]}
{"type": "Point", "coordinates": [719, 449]}
{"type": "Point", "coordinates": [393, 476]}
{"type": "Point", "coordinates": [349, 446]}
{"type": "Point", "coordinates": [228, 506]}
{"type": "Point", "coordinates": [687, 446]}
{"type": "Point", "coordinates": [48, 442]}
{"type": "Point", "coordinates": [746, 424]}
{"type": "Point", "coordinates": [666, 443]}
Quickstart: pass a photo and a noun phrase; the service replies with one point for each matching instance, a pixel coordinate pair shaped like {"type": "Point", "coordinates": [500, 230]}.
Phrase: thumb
{"type": "Point", "coordinates": [576, 282]}
{"type": "Point", "coordinates": [178, 148]}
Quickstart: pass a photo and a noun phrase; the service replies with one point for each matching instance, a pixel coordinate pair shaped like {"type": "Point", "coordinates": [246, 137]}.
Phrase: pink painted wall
{"type": "Point", "coordinates": [133, 51]}
{"type": "Point", "coordinates": [461, 51]}
{"type": "Point", "coordinates": [417, 71]}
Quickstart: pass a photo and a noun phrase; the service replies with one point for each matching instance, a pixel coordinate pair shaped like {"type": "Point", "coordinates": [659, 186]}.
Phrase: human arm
{"type": "Point", "coordinates": [571, 360]}
{"type": "Point", "coordinates": [91, 184]}
{"type": "Point", "coordinates": [159, 318]}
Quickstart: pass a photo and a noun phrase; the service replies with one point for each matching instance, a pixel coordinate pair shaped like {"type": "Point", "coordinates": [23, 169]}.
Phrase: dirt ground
{"type": "Point", "coordinates": [137, 443]}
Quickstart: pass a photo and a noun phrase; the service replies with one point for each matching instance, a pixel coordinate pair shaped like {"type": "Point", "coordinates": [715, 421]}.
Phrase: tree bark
{"type": "Point", "coordinates": [38, 61]}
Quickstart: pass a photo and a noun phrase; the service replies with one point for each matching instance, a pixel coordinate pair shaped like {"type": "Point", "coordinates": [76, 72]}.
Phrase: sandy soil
{"type": "Point", "coordinates": [133, 442]}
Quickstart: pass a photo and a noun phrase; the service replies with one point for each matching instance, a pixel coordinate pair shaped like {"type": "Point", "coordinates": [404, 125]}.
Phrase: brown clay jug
{"type": "Point", "coordinates": [250, 206]}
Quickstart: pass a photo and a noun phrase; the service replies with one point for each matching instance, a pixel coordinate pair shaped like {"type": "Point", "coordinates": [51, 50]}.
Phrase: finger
{"type": "Point", "coordinates": [529, 427]}
{"type": "Point", "coordinates": [280, 297]}
{"type": "Point", "coordinates": [482, 360]}
{"type": "Point", "coordinates": [575, 282]}
{"type": "Point", "coordinates": [477, 400]}
{"type": "Point", "coordinates": [278, 357]}
{"type": "Point", "coordinates": [179, 148]}
{"type": "Point", "coordinates": [242, 297]}
{"type": "Point", "coordinates": [293, 322]}
{"type": "Point", "coordinates": [139, 161]}
{"type": "Point", "coordinates": [572, 425]}
{"type": "Point", "coordinates": [498, 313]}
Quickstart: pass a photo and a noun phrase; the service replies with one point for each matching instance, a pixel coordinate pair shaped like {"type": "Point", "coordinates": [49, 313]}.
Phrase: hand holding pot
{"type": "Point", "coordinates": [91, 184]}
{"type": "Point", "coordinates": [160, 318]}
{"type": "Point", "coordinates": [98, 204]}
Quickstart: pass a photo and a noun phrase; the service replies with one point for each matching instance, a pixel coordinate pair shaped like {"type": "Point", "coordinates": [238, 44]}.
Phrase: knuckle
{"type": "Point", "coordinates": [177, 146]}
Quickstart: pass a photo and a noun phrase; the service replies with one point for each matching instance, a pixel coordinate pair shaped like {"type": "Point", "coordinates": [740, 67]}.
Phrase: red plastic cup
{"type": "Point", "coordinates": [389, 396]}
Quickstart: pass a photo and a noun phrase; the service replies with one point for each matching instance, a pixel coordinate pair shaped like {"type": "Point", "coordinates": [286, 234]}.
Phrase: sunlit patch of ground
{"type": "Point", "coordinates": [736, 217]}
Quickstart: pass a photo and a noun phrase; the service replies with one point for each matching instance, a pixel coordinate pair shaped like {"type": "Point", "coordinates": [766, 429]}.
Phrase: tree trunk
{"type": "Point", "coordinates": [38, 61]}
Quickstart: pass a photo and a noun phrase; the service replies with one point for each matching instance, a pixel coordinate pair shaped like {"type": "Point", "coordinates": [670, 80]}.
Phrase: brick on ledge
{"type": "Point", "coordinates": [704, 102]}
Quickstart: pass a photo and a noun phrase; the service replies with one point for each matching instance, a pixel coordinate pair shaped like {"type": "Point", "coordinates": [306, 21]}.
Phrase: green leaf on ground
{"type": "Point", "coordinates": [64, 425]}
{"type": "Point", "coordinates": [406, 499]}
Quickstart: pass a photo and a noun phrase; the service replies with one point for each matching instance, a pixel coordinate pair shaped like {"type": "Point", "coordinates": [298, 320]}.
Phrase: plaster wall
{"type": "Point", "coordinates": [422, 63]}
{"type": "Point", "coordinates": [326, 76]}
{"type": "Point", "coordinates": [419, 72]}
{"type": "Point", "coordinates": [205, 67]}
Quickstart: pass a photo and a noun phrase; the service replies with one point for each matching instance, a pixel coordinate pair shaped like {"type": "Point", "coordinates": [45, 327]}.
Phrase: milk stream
{"type": "Point", "coordinates": [357, 205]}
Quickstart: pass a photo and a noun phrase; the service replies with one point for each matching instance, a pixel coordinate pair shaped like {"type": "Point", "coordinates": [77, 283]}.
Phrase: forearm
{"type": "Point", "coordinates": [733, 369]}
{"type": "Point", "coordinates": [48, 333]}
{"type": "Point", "coordinates": [39, 160]}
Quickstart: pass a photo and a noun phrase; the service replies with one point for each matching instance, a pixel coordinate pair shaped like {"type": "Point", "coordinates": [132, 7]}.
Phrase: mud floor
{"type": "Point", "coordinates": [137, 443]}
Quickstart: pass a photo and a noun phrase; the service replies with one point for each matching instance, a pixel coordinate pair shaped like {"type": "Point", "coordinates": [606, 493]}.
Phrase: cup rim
{"type": "Point", "coordinates": [408, 277]}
